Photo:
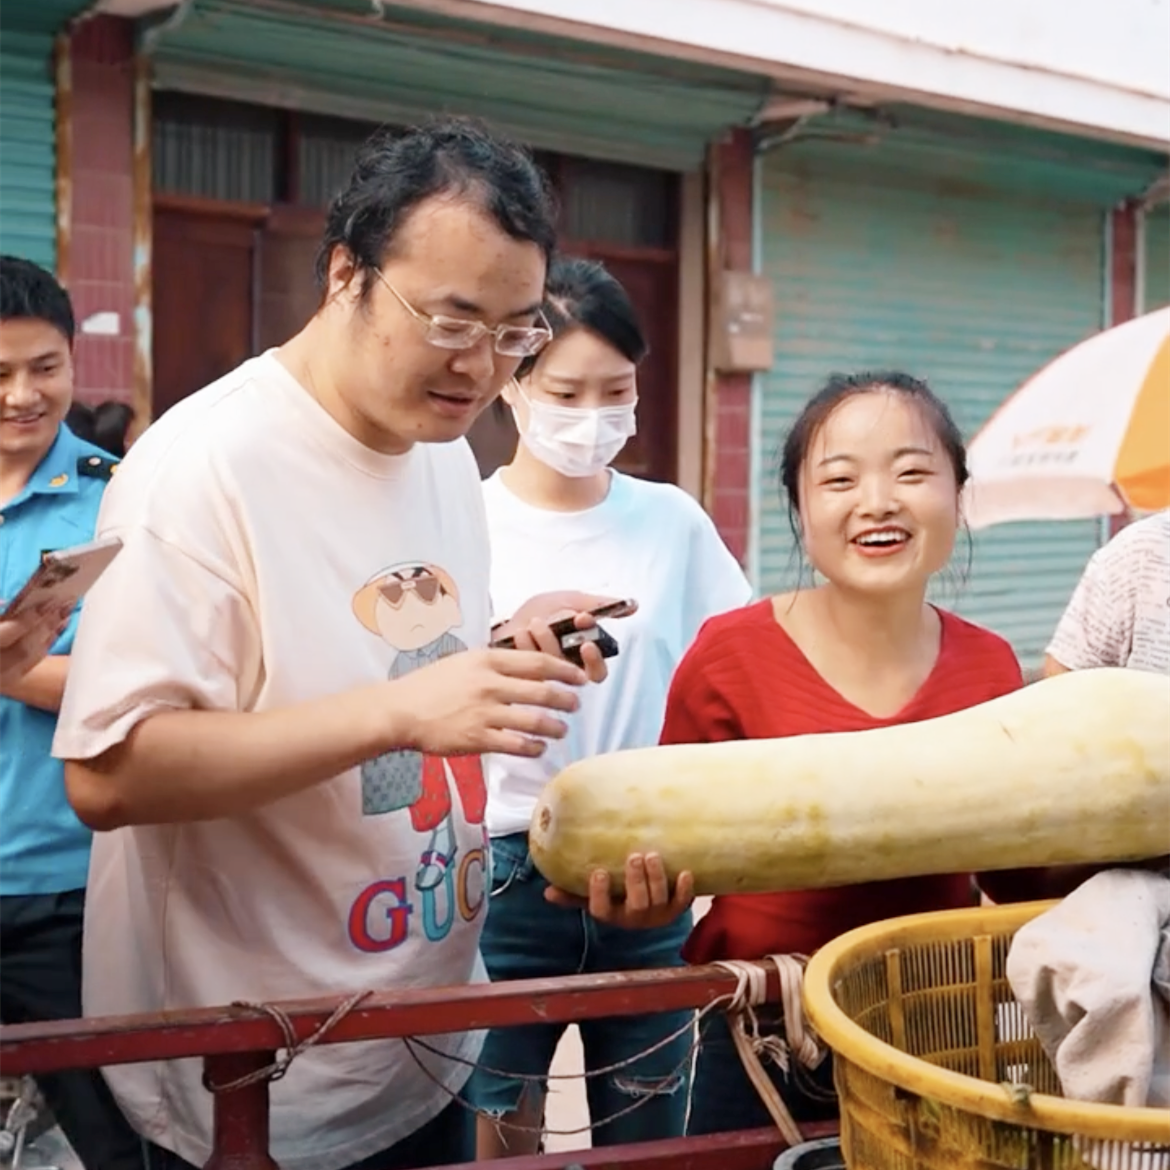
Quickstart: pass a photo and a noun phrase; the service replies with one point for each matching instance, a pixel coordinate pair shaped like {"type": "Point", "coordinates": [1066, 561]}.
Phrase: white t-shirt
{"type": "Point", "coordinates": [1119, 614]}
{"type": "Point", "coordinates": [269, 559]}
{"type": "Point", "coordinates": [647, 541]}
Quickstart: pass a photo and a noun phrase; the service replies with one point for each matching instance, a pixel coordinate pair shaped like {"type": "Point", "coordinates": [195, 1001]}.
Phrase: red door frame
{"type": "Point", "coordinates": [727, 408]}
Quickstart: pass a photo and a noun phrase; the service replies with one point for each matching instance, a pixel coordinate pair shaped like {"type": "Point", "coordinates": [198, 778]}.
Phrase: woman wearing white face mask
{"type": "Point", "coordinates": [560, 518]}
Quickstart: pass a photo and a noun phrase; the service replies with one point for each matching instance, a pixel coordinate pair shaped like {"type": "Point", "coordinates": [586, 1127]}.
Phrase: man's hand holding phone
{"type": "Point", "coordinates": [506, 699]}
{"type": "Point", "coordinates": [547, 622]}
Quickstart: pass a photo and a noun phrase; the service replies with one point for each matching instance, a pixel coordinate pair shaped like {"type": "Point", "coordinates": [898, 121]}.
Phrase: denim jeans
{"type": "Point", "coordinates": [724, 1099]}
{"type": "Point", "coordinates": [40, 979]}
{"type": "Point", "coordinates": [446, 1139]}
{"type": "Point", "coordinates": [526, 937]}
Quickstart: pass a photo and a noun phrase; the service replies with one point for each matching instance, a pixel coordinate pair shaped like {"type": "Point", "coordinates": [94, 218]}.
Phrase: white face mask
{"type": "Point", "coordinates": [574, 440]}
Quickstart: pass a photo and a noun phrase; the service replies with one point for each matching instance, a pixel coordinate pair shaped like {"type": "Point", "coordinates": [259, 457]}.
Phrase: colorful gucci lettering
{"type": "Point", "coordinates": [470, 885]}
{"type": "Point", "coordinates": [379, 919]}
{"type": "Point", "coordinates": [381, 905]}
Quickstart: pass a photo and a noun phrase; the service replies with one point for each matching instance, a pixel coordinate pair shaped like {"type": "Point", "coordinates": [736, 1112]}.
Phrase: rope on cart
{"type": "Point", "coordinates": [413, 1042]}
{"type": "Point", "coordinates": [751, 992]}
{"type": "Point", "coordinates": [293, 1047]}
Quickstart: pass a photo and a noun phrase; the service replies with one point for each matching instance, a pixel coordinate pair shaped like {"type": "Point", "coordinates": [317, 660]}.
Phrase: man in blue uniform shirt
{"type": "Point", "coordinates": [51, 486]}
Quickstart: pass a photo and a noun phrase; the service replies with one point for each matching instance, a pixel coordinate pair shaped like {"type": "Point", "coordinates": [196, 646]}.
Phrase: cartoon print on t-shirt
{"type": "Point", "coordinates": [413, 607]}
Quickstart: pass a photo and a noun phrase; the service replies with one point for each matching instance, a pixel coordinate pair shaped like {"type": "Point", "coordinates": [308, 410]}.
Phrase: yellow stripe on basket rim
{"type": "Point", "coordinates": [853, 1043]}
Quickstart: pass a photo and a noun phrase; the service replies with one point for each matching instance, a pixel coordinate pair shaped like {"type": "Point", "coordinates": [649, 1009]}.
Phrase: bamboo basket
{"type": "Point", "coordinates": [936, 1066]}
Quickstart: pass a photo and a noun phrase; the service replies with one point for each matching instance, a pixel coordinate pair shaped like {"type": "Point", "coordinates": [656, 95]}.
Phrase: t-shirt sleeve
{"type": "Point", "coordinates": [161, 630]}
{"type": "Point", "coordinates": [716, 582]}
{"type": "Point", "coordinates": [697, 709]}
{"type": "Point", "coordinates": [1096, 628]}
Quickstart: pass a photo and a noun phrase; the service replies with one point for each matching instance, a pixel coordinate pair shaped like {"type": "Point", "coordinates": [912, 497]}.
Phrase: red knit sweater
{"type": "Point", "coordinates": [745, 678]}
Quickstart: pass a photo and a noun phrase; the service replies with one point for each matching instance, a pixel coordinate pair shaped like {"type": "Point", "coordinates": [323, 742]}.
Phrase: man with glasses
{"type": "Point", "coordinates": [270, 703]}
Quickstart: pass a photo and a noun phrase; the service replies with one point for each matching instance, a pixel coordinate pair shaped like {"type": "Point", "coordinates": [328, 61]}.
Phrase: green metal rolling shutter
{"type": "Point", "coordinates": [969, 268]}
{"type": "Point", "coordinates": [337, 57]}
{"type": "Point", "coordinates": [1156, 276]}
{"type": "Point", "coordinates": [28, 149]}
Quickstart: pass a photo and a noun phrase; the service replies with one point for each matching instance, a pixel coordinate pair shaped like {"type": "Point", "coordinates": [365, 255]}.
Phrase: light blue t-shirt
{"type": "Point", "coordinates": [44, 848]}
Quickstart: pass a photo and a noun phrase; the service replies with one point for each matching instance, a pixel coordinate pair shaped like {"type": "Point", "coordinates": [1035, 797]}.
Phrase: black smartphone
{"type": "Point", "coordinates": [572, 639]}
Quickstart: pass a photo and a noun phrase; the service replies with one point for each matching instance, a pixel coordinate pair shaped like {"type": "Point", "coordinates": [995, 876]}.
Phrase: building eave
{"type": "Point", "coordinates": [807, 54]}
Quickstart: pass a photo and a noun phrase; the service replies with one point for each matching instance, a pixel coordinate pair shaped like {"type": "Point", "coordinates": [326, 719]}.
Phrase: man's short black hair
{"type": "Point", "coordinates": [28, 291]}
{"type": "Point", "coordinates": [395, 172]}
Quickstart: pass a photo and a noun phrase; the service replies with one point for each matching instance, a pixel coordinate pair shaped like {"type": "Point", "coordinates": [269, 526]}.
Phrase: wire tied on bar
{"type": "Point", "coordinates": [799, 1040]}
{"type": "Point", "coordinates": [292, 1046]}
{"type": "Point", "coordinates": [693, 1026]}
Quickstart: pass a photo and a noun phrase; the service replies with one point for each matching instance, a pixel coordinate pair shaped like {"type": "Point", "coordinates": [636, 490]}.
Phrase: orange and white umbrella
{"type": "Point", "coordinates": [1089, 435]}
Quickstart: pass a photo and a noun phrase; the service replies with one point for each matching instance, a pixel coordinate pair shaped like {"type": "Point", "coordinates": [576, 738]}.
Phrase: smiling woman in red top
{"type": "Point", "coordinates": [872, 470]}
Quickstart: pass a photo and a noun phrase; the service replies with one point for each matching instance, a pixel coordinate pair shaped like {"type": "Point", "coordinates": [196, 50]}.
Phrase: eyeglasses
{"type": "Point", "coordinates": [427, 589]}
{"type": "Point", "coordinates": [459, 333]}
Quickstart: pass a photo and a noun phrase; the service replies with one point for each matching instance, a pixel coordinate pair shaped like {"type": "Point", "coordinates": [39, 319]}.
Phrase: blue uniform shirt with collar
{"type": "Point", "coordinates": [44, 848]}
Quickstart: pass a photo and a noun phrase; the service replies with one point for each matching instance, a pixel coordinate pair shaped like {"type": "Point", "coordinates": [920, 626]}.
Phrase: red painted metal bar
{"type": "Point", "coordinates": [92, 1043]}
{"type": "Point", "coordinates": [238, 1041]}
{"type": "Point", "coordinates": [752, 1149]}
{"type": "Point", "coordinates": [240, 1119]}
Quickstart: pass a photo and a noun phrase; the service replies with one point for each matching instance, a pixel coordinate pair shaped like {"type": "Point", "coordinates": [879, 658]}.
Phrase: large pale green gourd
{"type": "Point", "coordinates": [1074, 769]}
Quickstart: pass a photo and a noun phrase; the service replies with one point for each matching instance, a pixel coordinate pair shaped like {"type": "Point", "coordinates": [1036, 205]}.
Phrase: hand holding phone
{"type": "Point", "coordinates": [26, 641]}
{"type": "Point", "coordinates": [63, 578]}
{"type": "Point", "coordinates": [572, 639]}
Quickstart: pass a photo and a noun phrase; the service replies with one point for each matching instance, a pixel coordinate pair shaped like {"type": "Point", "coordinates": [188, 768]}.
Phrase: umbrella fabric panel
{"type": "Point", "coordinates": [1097, 415]}
{"type": "Point", "coordinates": [1142, 469]}
{"type": "Point", "coordinates": [972, 292]}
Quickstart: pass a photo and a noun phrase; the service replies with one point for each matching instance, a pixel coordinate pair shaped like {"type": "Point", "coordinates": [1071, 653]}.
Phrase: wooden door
{"type": "Point", "coordinates": [651, 280]}
{"type": "Point", "coordinates": [652, 284]}
{"type": "Point", "coordinates": [288, 293]}
{"type": "Point", "coordinates": [202, 291]}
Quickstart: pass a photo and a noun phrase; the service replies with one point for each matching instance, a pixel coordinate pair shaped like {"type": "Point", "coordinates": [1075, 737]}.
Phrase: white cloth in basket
{"type": "Point", "coordinates": [1093, 977]}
